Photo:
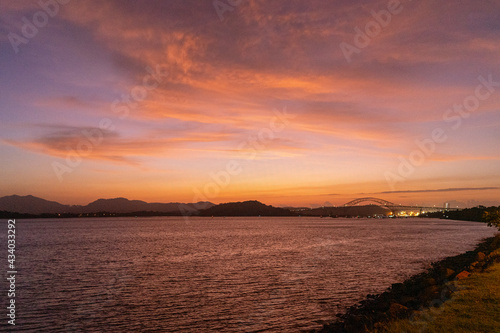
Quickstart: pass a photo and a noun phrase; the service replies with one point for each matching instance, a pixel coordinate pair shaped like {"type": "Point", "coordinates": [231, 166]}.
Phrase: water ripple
{"type": "Point", "coordinates": [216, 275]}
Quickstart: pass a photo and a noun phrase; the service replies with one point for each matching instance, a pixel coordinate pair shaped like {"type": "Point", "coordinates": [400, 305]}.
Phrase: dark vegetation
{"type": "Point", "coordinates": [490, 215]}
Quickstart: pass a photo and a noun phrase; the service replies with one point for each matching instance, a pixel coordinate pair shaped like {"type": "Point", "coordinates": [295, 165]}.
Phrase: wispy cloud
{"type": "Point", "coordinates": [65, 102]}
{"type": "Point", "coordinates": [107, 145]}
{"type": "Point", "coordinates": [458, 189]}
{"type": "Point", "coordinates": [226, 78]}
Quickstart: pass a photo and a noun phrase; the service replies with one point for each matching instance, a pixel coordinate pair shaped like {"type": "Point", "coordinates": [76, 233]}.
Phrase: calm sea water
{"type": "Point", "coordinates": [214, 275]}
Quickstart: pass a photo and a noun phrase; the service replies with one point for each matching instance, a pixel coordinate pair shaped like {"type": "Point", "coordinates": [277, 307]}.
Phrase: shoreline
{"type": "Point", "coordinates": [431, 288]}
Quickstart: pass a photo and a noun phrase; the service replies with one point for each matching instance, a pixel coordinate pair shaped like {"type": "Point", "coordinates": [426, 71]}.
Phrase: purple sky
{"type": "Point", "coordinates": [287, 102]}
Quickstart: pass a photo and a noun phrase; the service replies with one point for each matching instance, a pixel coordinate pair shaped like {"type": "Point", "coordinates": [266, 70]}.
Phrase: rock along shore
{"type": "Point", "coordinates": [431, 288]}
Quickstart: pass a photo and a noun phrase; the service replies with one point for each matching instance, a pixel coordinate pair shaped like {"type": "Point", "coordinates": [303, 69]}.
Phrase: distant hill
{"type": "Point", "coordinates": [33, 205]}
{"type": "Point", "coordinates": [246, 208]}
{"type": "Point", "coordinates": [368, 210]}
{"type": "Point", "coordinates": [122, 205]}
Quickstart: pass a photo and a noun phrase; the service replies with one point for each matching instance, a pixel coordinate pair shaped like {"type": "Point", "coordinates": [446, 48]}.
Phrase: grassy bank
{"type": "Point", "coordinates": [465, 286]}
{"type": "Point", "coordinates": [475, 307]}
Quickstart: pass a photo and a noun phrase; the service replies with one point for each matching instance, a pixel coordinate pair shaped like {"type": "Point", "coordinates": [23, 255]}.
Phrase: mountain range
{"type": "Point", "coordinates": [32, 205]}
{"type": "Point", "coordinates": [121, 206]}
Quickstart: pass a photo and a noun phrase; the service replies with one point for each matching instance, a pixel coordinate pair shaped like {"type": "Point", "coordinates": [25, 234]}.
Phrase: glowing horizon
{"type": "Point", "coordinates": [288, 103]}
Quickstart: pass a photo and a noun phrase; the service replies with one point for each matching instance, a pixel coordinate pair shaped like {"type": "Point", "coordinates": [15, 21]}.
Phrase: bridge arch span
{"type": "Point", "coordinates": [381, 202]}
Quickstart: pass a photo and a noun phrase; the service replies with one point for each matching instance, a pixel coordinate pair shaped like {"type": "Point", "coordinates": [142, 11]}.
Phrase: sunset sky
{"type": "Point", "coordinates": [285, 102]}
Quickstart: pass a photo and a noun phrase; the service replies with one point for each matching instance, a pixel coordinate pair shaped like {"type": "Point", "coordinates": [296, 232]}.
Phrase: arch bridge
{"type": "Point", "coordinates": [369, 199]}
{"type": "Point", "coordinates": [394, 207]}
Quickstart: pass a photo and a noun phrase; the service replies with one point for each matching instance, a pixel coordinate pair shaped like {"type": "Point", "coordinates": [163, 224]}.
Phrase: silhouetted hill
{"type": "Point", "coordinates": [368, 210]}
{"type": "Point", "coordinates": [122, 205]}
{"type": "Point", "coordinates": [33, 205]}
{"type": "Point", "coordinates": [247, 208]}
